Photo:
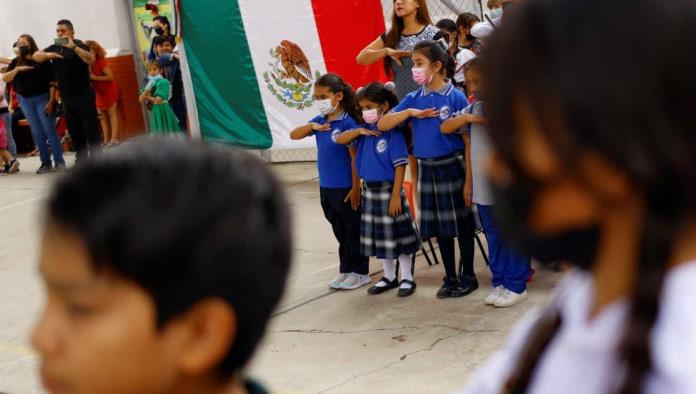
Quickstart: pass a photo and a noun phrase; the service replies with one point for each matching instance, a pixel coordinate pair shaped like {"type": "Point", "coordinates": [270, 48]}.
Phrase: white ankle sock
{"type": "Point", "coordinates": [389, 271]}
{"type": "Point", "coordinates": [405, 267]}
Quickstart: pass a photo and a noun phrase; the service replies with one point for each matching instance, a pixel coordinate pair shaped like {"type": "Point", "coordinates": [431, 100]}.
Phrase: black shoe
{"type": "Point", "coordinates": [13, 167]}
{"type": "Point", "coordinates": [409, 291]}
{"type": "Point", "coordinates": [59, 167]}
{"type": "Point", "coordinates": [390, 284]}
{"type": "Point", "coordinates": [44, 169]}
{"type": "Point", "coordinates": [467, 285]}
{"type": "Point", "coordinates": [447, 286]}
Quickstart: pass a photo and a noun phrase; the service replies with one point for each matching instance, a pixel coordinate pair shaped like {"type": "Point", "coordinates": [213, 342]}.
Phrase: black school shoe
{"type": "Point", "coordinates": [390, 284]}
{"type": "Point", "coordinates": [409, 291]}
{"type": "Point", "coordinates": [45, 168]}
{"type": "Point", "coordinates": [450, 288]}
{"type": "Point", "coordinates": [467, 285]}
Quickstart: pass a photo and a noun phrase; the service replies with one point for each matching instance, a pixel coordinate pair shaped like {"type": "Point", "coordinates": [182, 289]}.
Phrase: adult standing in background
{"type": "Point", "coordinates": [71, 60]}
{"type": "Point", "coordinates": [107, 94]}
{"type": "Point", "coordinates": [172, 71]}
{"type": "Point", "coordinates": [163, 29]}
{"type": "Point", "coordinates": [33, 83]}
{"type": "Point", "coordinates": [410, 25]}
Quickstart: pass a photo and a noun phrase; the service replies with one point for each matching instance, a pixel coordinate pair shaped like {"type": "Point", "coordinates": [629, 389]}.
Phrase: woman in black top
{"type": "Point", "coordinates": [33, 83]}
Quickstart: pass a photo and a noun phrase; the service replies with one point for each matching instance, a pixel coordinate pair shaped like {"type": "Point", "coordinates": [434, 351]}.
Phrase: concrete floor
{"type": "Point", "coordinates": [319, 341]}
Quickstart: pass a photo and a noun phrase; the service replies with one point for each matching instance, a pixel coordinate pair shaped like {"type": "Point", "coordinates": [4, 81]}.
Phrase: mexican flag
{"type": "Point", "coordinates": [253, 63]}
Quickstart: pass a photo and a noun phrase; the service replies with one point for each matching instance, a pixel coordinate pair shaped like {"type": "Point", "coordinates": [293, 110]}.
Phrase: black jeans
{"type": "Point", "coordinates": [178, 105]}
{"type": "Point", "coordinates": [83, 126]}
{"type": "Point", "coordinates": [345, 223]}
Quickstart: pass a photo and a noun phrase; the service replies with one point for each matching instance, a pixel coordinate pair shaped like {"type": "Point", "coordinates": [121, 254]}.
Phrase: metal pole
{"type": "Point", "coordinates": [481, 7]}
{"type": "Point", "coordinates": [189, 94]}
{"type": "Point", "coordinates": [139, 72]}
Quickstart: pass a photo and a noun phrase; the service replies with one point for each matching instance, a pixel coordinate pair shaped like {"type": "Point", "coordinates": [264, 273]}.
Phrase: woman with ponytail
{"type": "Point", "coordinates": [594, 130]}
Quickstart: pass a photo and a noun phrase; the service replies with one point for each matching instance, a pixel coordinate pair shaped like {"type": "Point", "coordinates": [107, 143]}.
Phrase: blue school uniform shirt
{"type": "Point", "coordinates": [378, 156]}
{"type": "Point", "coordinates": [428, 141]}
{"type": "Point", "coordinates": [333, 159]}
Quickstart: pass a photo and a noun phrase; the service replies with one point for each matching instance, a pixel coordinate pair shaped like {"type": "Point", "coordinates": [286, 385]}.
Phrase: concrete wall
{"type": "Point", "coordinates": [106, 21]}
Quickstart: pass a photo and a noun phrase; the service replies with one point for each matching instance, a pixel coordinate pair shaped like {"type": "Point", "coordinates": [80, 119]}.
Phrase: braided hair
{"type": "Point", "coordinates": [548, 53]}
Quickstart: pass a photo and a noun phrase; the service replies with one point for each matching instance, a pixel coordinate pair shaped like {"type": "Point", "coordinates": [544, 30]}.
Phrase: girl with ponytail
{"type": "Point", "coordinates": [590, 172]}
{"type": "Point", "coordinates": [339, 184]}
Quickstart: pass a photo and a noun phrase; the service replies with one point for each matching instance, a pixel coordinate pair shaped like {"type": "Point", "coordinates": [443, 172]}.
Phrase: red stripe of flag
{"type": "Point", "coordinates": [345, 28]}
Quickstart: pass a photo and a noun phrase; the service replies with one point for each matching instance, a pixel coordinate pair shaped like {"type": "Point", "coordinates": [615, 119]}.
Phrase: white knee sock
{"type": "Point", "coordinates": [389, 271]}
{"type": "Point", "coordinates": [405, 267]}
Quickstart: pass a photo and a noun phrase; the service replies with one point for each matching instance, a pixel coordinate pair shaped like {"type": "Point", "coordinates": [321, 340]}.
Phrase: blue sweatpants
{"type": "Point", "coordinates": [509, 269]}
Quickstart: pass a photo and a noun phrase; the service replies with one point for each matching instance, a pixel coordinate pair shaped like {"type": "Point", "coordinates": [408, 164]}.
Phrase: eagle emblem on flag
{"type": "Point", "coordinates": [290, 79]}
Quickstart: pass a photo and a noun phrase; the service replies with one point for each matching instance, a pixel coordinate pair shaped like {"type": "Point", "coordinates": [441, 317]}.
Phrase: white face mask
{"type": "Point", "coordinates": [325, 107]}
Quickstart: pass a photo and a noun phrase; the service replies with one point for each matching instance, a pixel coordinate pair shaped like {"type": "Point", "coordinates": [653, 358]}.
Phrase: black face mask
{"type": "Point", "coordinates": [159, 31]}
{"type": "Point", "coordinates": [513, 205]}
{"type": "Point", "coordinates": [23, 51]}
{"type": "Point", "coordinates": [469, 37]}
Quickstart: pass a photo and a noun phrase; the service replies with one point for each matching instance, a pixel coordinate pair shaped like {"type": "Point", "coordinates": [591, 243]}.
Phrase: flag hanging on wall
{"type": "Point", "coordinates": [254, 62]}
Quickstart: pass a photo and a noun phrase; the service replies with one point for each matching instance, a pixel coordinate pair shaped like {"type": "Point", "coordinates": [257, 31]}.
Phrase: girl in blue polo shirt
{"type": "Point", "coordinates": [339, 184]}
{"type": "Point", "coordinates": [387, 229]}
{"type": "Point", "coordinates": [441, 167]}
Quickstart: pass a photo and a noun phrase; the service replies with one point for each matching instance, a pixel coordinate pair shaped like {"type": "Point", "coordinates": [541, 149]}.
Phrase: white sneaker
{"type": "Point", "coordinates": [336, 283]}
{"type": "Point", "coordinates": [495, 294]}
{"type": "Point", "coordinates": [510, 298]}
{"type": "Point", "coordinates": [355, 281]}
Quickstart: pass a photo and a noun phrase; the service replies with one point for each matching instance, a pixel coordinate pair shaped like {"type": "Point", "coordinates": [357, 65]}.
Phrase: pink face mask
{"type": "Point", "coordinates": [420, 75]}
{"type": "Point", "coordinates": [371, 116]}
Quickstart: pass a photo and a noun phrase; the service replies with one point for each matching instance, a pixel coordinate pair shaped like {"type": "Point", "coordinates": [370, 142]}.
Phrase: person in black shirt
{"type": "Point", "coordinates": [33, 84]}
{"type": "Point", "coordinates": [71, 61]}
{"type": "Point", "coordinates": [172, 71]}
{"type": "Point", "coordinates": [163, 30]}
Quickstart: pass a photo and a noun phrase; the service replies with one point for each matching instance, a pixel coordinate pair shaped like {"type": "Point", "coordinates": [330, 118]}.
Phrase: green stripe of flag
{"type": "Point", "coordinates": [230, 109]}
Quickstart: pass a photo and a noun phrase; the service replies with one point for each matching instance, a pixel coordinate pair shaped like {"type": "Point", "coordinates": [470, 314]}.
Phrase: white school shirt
{"type": "Point", "coordinates": [582, 358]}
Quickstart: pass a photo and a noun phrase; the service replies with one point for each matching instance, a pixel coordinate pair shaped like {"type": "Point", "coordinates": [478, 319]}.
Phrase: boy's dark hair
{"type": "Point", "coordinates": [186, 222]}
{"type": "Point", "coordinates": [473, 64]}
{"type": "Point", "coordinates": [164, 20]}
{"type": "Point", "coordinates": [336, 84]}
{"type": "Point", "coordinates": [66, 22]}
{"type": "Point", "coordinates": [378, 94]}
{"type": "Point", "coordinates": [159, 40]}
{"type": "Point", "coordinates": [435, 52]}
{"type": "Point", "coordinates": [447, 24]}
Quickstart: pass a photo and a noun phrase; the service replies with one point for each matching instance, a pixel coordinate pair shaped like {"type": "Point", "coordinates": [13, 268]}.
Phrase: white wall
{"type": "Point", "coordinates": [105, 21]}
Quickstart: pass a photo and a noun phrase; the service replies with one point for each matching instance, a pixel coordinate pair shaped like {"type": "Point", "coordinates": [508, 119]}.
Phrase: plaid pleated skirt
{"type": "Point", "coordinates": [382, 235]}
{"type": "Point", "coordinates": [441, 192]}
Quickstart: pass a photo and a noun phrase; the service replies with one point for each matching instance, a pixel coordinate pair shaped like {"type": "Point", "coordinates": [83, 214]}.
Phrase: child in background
{"type": "Point", "coordinates": [10, 164]}
{"type": "Point", "coordinates": [468, 47]}
{"type": "Point", "coordinates": [495, 8]}
{"type": "Point", "coordinates": [510, 270]}
{"type": "Point", "coordinates": [155, 95]}
{"type": "Point", "coordinates": [106, 90]}
{"type": "Point", "coordinates": [441, 175]}
{"type": "Point", "coordinates": [168, 298]}
{"type": "Point", "coordinates": [387, 229]}
{"type": "Point", "coordinates": [339, 184]}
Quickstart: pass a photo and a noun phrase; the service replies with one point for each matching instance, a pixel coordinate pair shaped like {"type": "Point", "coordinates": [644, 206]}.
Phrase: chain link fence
{"type": "Point", "coordinates": [440, 9]}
